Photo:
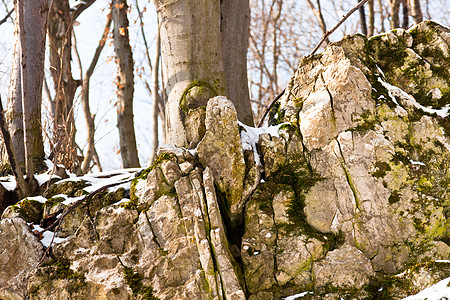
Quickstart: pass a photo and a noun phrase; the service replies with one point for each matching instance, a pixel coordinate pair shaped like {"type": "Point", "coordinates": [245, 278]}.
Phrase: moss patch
{"type": "Point", "coordinates": [134, 281]}
{"type": "Point", "coordinates": [59, 268]}
{"type": "Point", "coordinates": [196, 95]}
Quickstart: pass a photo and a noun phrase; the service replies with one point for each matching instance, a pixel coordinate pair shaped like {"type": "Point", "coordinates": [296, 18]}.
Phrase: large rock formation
{"type": "Point", "coordinates": [347, 196]}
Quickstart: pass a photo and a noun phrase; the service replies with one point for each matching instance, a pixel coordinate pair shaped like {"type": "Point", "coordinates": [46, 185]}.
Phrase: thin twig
{"type": "Point", "coordinates": [270, 107]}
{"type": "Point", "coordinates": [325, 36]}
{"type": "Point", "coordinates": [6, 17]}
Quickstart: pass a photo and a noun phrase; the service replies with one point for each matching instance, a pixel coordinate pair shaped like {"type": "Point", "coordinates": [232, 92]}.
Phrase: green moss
{"type": "Point", "coordinates": [104, 199]}
{"type": "Point", "coordinates": [31, 210]}
{"type": "Point", "coordinates": [69, 188]}
{"type": "Point", "coordinates": [59, 268]}
{"type": "Point", "coordinates": [394, 197]}
{"type": "Point", "coordinates": [134, 281]}
{"type": "Point", "coordinates": [143, 176]}
{"type": "Point", "coordinates": [381, 169]}
{"type": "Point", "coordinates": [196, 95]}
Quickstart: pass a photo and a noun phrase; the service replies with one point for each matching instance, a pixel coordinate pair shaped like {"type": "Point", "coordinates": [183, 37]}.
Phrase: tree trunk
{"type": "Point", "coordinates": [125, 85]}
{"type": "Point", "coordinates": [156, 98]}
{"type": "Point", "coordinates": [199, 38]}
{"type": "Point", "coordinates": [405, 9]}
{"type": "Point", "coordinates": [371, 28]}
{"type": "Point", "coordinates": [416, 11]}
{"type": "Point", "coordinates": [14, 114]}
{"type": "Point", "coordinates": [24, 115]}
{"type": "Point", "coordinates": [362, 19]}
{"type": "Point", "coordinates": [235, 21]}
{"type": "Point", "coordinates": [60, 34]}
{"type": "Point", "coordinates": [395, 7]}
{"type": "Point", "coordinates": [192, 62]}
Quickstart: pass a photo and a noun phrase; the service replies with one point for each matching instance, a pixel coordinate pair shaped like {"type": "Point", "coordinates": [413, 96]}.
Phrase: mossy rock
{"type": "Point", "coordinates": [31, 210]}
{"type": "Point", "coordinates": [69, 188]}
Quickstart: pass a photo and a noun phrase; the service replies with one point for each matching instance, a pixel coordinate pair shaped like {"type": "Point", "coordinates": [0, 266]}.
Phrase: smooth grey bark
{"type": "Point", "coordinates": [125, 85]}
{"type": "Point", "coordinates": [235, 22]}
{"type": "Point", "coordinates": [192, 64]}
{"type": "Point", "coordinates": [194, 41]}
{"type": "Point", "coordinates": [416, 11]}
{"type": "Point", "coordinates": [25, 97]}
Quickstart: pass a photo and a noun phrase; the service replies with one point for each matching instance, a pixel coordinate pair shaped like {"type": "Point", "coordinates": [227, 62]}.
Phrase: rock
{"type": "Point", "coordinates": [20, 253]}
{"type": "Point", "coordinates": [221, 151]}
{"type": "Point", "coordinates": [343, 268]}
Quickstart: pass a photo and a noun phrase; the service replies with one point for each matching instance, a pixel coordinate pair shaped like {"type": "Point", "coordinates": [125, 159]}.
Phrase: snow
{"type": "Point", "coordinates": [394, 91]}
{"type": "Point", "coordinates": [47, 237]}
{"type": "Point", "coordinates": [250, 137]}
{"type": "Point", "coordinates": [38, 199]}
{"type": "Point", "coordinates": [8, 182]}
{"type": "Point", "coordinates": [440, 290]}
{"type": "Point", "coordinates": [414, 162]}
{"type": "Point", "coordinates": [98, 180]}
{"type": "Point", "coordinates": [296, 296]}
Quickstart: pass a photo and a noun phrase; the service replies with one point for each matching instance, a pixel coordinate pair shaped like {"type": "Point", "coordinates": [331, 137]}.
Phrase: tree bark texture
{"type": "Point", "coordinates": [194, 43]}
{"type": "Point", "coordinates": [192, 64]}
{"type": "Point", "coordinates": [371, 26]}
{"type": "Point", "coordinates": [60, 33]}
{"type": "Point", "coordinates": [235, 22]}
{"type": "Point", "coordinates": [125, 85]}
{"type": "Point", "coordinates": [362, 19]}
{"type": "Point", "coordinates": [25, 97]}
{"type": "Point", "coordinates": [416, 11]}
{"type": "Point", "coordinates": [395, 8]}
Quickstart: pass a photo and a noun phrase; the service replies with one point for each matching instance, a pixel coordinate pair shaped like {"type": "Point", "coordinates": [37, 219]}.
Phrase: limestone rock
{"type": "Point", "coordinates": [20, 253]}
{"type": "Point", "coordinates": [221, 151]}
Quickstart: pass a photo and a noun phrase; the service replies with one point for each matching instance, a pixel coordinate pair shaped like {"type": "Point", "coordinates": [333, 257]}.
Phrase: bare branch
{"type": "Point", "coordinates": [6, 17]}
{"type": "Point", "coordinates": [338, 24]}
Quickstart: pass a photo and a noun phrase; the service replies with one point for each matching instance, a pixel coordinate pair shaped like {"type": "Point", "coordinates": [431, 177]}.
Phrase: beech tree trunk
{"type": "Point", "coordinates": [371, 27]}
{"type": "Point", "coordinates": [25, 96]}
{"type": "Point", "coordinates": [395, 8]}
{"type": "Point", "coordinates": [125, 85]}
{"type": "Point", "coordinates": [235, 22]}
{"type": "Point", "coordinates": [203, 55]}
{"type": "Point", "coordinates": [416, 11]}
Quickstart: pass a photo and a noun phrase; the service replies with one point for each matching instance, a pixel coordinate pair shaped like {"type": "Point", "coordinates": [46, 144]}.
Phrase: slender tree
{"type": "Point", "coordinates": [25, 97]}
{"type": "Point", "coordinates": [125, 85]}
